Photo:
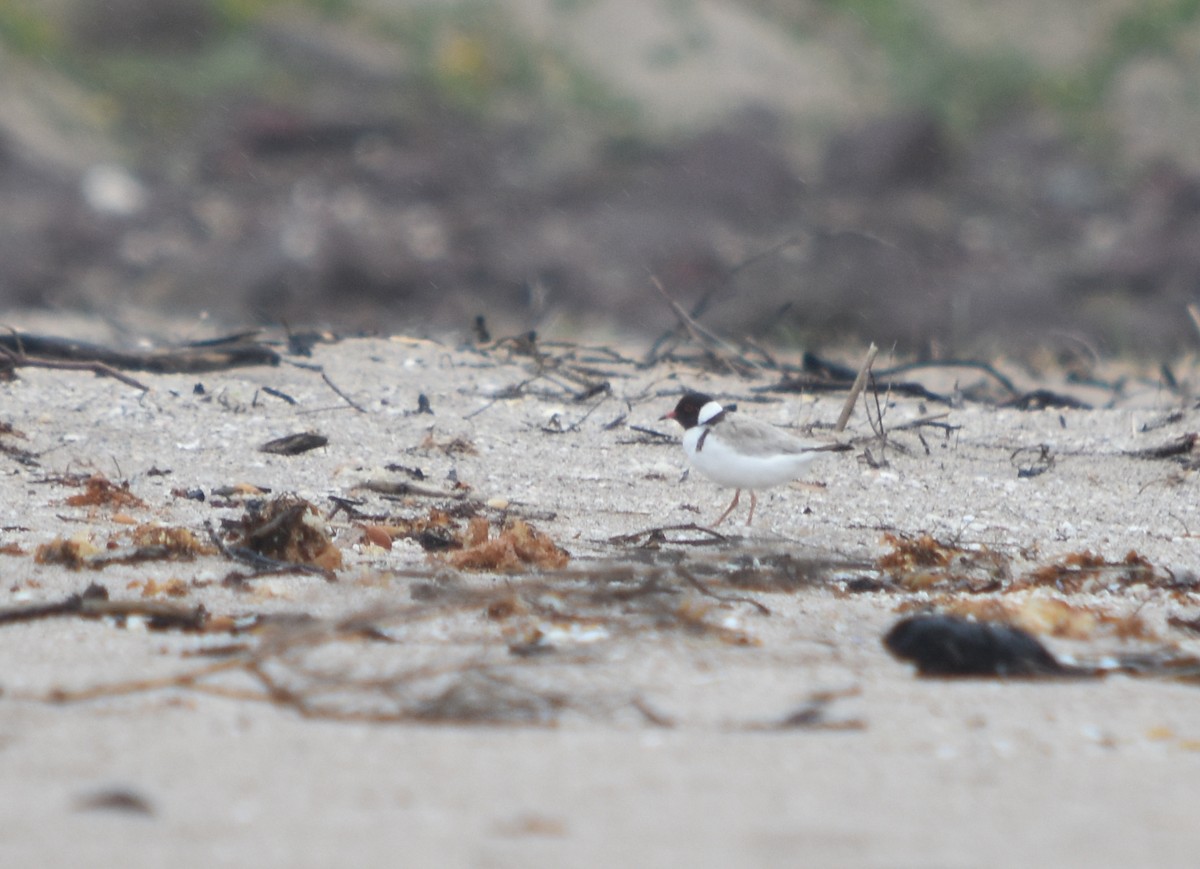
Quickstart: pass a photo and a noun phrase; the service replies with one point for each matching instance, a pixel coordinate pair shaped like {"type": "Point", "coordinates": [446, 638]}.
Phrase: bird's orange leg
{"type": "Point", "coordinates": [753, 504]}
{"type": "Point", "coordinates": [737, 494]}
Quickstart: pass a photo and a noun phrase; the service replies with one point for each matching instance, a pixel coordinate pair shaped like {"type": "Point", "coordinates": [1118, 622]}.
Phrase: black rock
{"type": "Point", "coordinates": [952, 646]}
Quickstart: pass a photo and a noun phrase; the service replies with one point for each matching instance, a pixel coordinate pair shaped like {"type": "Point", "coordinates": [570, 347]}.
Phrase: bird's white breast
{"type": "Point", "coordinates": [720, 462]}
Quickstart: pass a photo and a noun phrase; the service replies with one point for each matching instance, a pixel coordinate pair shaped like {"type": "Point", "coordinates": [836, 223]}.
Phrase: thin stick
{"type": "Point", "coordinates": [343, 396]}
{"type": "Point", "coordinates": [879, 430]}
{"type": "Point", "coordinates": [859, 382]}
{"type": "Point", "coordinates": [701, 306]}
{"type": "Point", "coordinates": [138, 686]}
{"type": "Point", "coordinates": [97, 368]}
{"type": "Point", "coordinates": [687, 577]}
{"type": "Point", "coordinates": [933, 420]}
{"type": "Point", "coordinates": [986, 368]}
{"type": "Point", "coordinates": [320, 369]}
{"type": "Point", "coordinates": [699, 334]}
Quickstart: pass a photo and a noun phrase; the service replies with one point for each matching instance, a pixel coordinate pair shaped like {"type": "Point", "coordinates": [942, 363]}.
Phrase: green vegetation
{"type": "Point", "coordinates": [159, 95]}
{"type": "Point", "coordinates": [1153, 28]}
{"type": "Point", "coordinates": [966, 87]}
{"type": "Point", "coordinates": [28, 31]}
{"type": "Point", "coordinates": [239, 13]}
{"type": "Point", "coordinates": [465, 53]}
{"type": "Point", "coordinates": [962, 87]}
{"type": "Point", "coordinates": [470, 53]}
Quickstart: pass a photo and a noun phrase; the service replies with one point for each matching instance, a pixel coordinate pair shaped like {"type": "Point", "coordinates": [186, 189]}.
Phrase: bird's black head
{"type": "Point", "coordinates": [687, 411]}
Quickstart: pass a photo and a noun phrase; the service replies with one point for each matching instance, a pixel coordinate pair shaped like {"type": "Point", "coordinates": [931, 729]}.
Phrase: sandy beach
{"type": "Point", "coordinates": [616, 695]}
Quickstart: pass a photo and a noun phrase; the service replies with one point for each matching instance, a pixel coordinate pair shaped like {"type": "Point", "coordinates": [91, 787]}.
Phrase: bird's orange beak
{"type": "Point", "coordinates": [668, 415]}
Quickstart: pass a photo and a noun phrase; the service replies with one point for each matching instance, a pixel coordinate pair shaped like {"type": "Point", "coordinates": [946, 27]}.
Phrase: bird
{"type": "Point", "coordinates": [740, 452]}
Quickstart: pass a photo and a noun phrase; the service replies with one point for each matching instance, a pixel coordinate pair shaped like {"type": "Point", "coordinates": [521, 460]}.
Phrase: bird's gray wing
{"type": "Point", "coordinates": [754, 438]}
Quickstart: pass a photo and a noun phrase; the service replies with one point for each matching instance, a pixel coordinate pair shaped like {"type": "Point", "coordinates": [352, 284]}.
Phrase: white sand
{"type": "Point", "coordinates": [960, 773]}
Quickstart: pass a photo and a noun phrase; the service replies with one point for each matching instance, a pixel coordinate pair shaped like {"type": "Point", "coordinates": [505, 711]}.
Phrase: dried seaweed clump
{"type": "Point", "coordinates": [74, 552]}
{"type": "Point", "coordinates": [458, 446]}
{"type": "Point", "coordinates": [518, 546]}
{"type": "Point", "coordinates": [911, 553]}
{"type": "Point", "coordinates": [1087, 572]}
{"type": "Point", "coordinates": [433, 531]}
{"type": "Point", "coordinates": [150, 543]}
{"type": "Point", "coordinates": [174, 587]}
{"type": "Point", "coordinates": [288, 529]}
{"type": "Point", "coordinates": [99, 491]}
{"type": "Point", "coordinates": [1042, 615]}
{"type": "Point", "coordinates": [172, 541]}
{"type": "Point", "coordinates": [917, 563]}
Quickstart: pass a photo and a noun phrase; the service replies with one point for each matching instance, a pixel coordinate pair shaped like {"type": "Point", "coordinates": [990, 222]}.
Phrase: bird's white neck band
{"type": "Point", "coordinates": [708, 412]}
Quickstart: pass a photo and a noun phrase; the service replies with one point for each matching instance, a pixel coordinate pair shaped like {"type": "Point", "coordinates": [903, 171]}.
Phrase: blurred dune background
{"type": "Point", "coordinates": [949, 177]}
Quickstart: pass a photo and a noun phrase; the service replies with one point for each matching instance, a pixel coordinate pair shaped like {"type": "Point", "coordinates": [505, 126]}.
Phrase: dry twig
{"type": "Point", "coordinates": [11, 359]}
{"type": "Point", "coordinates": [859, 382]}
